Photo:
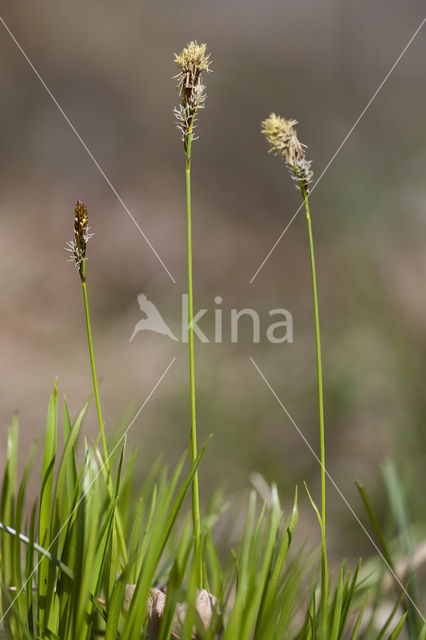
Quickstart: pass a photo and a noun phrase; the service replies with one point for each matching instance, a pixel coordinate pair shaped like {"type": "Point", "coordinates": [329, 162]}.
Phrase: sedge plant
{"type": "Point", "coordinates": [78, 247]}
{"type": "Point", "coordinates": [61, 575]}
{"type": "Point", "coordinates": [283, 142]}
{"type": "Point", "coordinates": [192, 62]}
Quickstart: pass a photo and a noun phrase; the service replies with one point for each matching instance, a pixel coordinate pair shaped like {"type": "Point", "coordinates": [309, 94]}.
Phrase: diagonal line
{"type": "Point", "coordinates": [86, 148]}
{"type": "Point", "coordinates": [338, 490]}
{"type": "Point", "coordinates": [341, 145]}
{"type": "Point", "coordinates": [90, 485]}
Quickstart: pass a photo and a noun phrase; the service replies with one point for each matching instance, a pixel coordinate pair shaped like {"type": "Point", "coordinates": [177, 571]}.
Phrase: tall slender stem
{"type": "Point", "coordinates": [92, 361]}
{"type": "Point", "coordinates": [193, 438]}
{"type": "Point", "coordinates": [192, 62]}
{"type": "Point", "coordinates": [282, 138]}
{"type": "Point", "coordinates": [324, 562]}
{"type": "Point", "coordinates": [118, 522]}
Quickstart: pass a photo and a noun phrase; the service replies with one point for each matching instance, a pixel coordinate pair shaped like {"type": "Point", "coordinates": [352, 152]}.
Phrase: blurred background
{"type": "Point", "coordinates": [110, 66]}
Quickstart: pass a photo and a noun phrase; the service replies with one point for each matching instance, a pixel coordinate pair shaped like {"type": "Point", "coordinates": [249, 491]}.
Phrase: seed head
{"type": "Point", "coordinates": [192, 61]}
{"type": "Point", "coordinates": [283, 141]}
{"type": "Point", "coordinates": [80, 227]}
{"type": "Point", "coordinates": [78, 245]}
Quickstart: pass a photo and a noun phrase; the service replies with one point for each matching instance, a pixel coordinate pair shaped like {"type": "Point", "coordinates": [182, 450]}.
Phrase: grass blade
{"type": "Point", "coordinates": [395, 633]}
{"type": "Point", "coordinates": [46, 573]}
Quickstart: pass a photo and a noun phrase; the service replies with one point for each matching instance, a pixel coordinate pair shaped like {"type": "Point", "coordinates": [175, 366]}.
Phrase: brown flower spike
{"type": "Point", "coordinates": [192, 61]}
{"type": "Point", "coordinates": [78, 245]}
{"type": "Point", "coordinates": [283, 141]}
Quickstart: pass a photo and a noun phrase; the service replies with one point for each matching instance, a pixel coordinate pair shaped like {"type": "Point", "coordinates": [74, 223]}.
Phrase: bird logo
{"type": "Point", "coordinates": [153, 320]}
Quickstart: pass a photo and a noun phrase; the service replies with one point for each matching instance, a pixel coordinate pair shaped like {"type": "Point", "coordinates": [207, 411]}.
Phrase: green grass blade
{"type": "Point", "coordinates": [273, 583]}
{"type": "Point", "coordinates": [214, 569]}
{"type": "Point", "coordinates": [401, 516]}
{"type": "Point", "coordinates": [288, 597]}
{"type": "Point", "coordinates": [101, 560]}
{"type": "Point", "coordinates": [242, 571]}
{"type": "Point", "coordinates": [114, 611]}
{"type": "Point", "coordinates": [422, 635]}
{"type": "Point", "coordinates": [19, 630]}
{"type": "Point", "coordinates": [18, 526]}
{"type": "Point", "coordinates": [348, 600]}
{"type": "Point", "coordinates": [29, 567]}
{"type": "Point", "coordinates": [7, 504]}
{"type": "Point", "coordinates": [395, 633]}
{"type": "Point", "coordinates": [137, 565]}
{"type": "Point", "coordinates": [375, 522]}
{"type": "Point", "coordinates": [67, 473]}
{"type": "Point", "coordinates": [86, 534]}
{"type": "Point", "coordinates": [261, 585]}
{"type": "Point", "coordinates": [136, 533]}
{"type": "Point", "coordinates": [355, 632]}
{"type": "Point", "coordinates": [175, 581]}
{"type": "Point", "coordinates": [71, 467]}
{"type": "Point", "coordinates": [161, 530]}
{"type": "Point", "coordinates": [390, 618]}
{"type": "Point", "coordinates": [337, 613]}
{"type": "Point", "coordinates": [46, 573]}
{"type": "Point", "coordinates": [10, 578]}
{"type": "Point", "coordinates": [181, 494]}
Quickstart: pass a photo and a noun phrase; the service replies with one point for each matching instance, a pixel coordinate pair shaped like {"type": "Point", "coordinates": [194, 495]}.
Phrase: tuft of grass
{"type": "Point", "coordinates": [76, 574]}
{"type": "Point", "coordinates": [77, 586]}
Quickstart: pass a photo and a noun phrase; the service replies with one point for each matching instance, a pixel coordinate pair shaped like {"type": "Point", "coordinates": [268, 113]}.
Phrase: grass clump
{"type": "Point", "coordinates": [101, 555]}
{"type": "Point", "coordinates": [77, 585]}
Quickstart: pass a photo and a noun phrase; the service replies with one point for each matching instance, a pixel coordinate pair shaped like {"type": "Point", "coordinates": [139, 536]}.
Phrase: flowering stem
{"type": "Point", "coordinates": [324, 562]}
{"type": "Point", "coordinates": [193, 438]}
{"type": "Point", "coordinates": [119, 525]}
{"type": "Point", "coordinates": [92, 361]}
{"type": "Point", "coordinates": [282, 138]}
{"type": "Point", "coordinates": [192, 61]}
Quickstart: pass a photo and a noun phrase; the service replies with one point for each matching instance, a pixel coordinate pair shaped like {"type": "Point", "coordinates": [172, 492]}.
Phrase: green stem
{"type": "Point", "coordinates": [193, 438]}
{"type": "Point", "coordinates": [119, 524]}
{"type": "Point", "coordinates": [92, 361]}
{"type": "Point", "coordinates": [324, 562]}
